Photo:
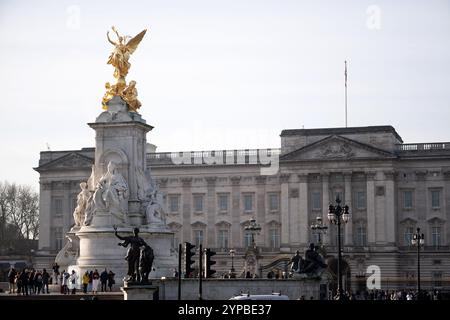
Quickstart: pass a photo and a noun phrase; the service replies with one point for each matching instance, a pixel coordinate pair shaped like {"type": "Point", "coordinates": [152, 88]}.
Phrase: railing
{"type": "Point", "coordinates": [419, 147]}
{"type": "Point", "coordinates": [217, 157]}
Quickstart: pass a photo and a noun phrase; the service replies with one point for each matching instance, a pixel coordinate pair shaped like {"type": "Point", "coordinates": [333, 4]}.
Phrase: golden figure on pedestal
{"type": "Point", "coordinates": [119, 60]}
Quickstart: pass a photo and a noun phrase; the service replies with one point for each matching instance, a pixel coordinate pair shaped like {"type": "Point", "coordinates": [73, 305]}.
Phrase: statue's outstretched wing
{"type": "Point", "coordinates": [134, 42]}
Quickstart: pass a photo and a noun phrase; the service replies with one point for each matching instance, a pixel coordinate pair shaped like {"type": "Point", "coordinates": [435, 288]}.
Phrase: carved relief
{"type": "Point", "coordinates": [336, 150]}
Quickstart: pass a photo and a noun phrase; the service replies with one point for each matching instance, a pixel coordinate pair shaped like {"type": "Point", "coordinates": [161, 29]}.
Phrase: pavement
{"type": "Point", "coordinates": [56, 295]}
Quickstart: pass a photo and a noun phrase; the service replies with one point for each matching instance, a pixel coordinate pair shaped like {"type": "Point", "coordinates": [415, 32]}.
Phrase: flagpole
{"type": "Point", "coordinates": [346, 93]}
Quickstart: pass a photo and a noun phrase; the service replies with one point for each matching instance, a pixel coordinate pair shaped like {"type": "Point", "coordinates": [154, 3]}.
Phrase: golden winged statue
{"type": "Point", "coordinates": [123, 49]}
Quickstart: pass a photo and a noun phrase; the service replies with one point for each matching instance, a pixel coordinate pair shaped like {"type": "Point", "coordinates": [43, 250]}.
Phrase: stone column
{"type": "Point", "coordinates": [325, 203]}
{"type": "Point", "coordinates": [236, 241]}
{"type": "Point", "coordinates": [45, 215]}
{"type": "Point", "coordinates": [390, 207]}
{"type": "Point", "coordinates": [261, 241]}
{"type": "Point", "coordinates": [371, 219]}
{"type": "Point", "coordinates": [284, 212]}
{"type": "Point", "coordinates": [211, 212]}
{"type": "Point", "coordinates": [301, 225]}
{"type": "Point", "coordinates": [186, 209]}
{"type": "Point", "coordinates": [348, 201]}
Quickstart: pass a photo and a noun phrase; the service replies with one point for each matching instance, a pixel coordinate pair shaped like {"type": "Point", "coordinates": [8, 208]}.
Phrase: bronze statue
{"type": "Point", "coordinates": [311, 265]}
{"type": "Point", "coordinates": [137, 259]}
{"type": "Point", "coordinates": [145, 263]}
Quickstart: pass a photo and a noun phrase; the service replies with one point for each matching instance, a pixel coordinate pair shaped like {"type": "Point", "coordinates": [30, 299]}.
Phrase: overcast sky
{"type": "Point", "coordinates": [221, 74]}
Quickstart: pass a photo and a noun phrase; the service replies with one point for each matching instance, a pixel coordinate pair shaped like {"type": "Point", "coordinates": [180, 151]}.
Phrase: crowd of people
{"type": "Point", "coordinates": [393, 295]}
{"type": "Point", "coordinates": [30, 281]}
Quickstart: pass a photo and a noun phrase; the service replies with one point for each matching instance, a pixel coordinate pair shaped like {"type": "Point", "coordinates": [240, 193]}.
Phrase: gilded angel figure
{"type": "Point", "coordinates": [122, 51]}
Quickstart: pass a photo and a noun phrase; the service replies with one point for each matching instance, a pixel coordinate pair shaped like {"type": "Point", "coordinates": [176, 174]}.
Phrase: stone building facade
{"type": "Point", "coordinates": [391, 188]}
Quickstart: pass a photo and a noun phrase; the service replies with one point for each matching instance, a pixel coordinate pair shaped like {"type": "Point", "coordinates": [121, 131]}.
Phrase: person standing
{"type": "Point", "coordinates": [45, 280]}
{"type": "Point", "coordinates": [24, 281]}
{"type": "Point", "coordinates": [56, 273]}
{"type": "Point", "coordinates": [73, 279]}
{"type": "Point", "coordinates": [95, 281]}
{"type": "Point", "coordinates": [65, 282]}
{"type": "Point", "coordinates": [85, 281]}
{"type": "Point", "coordinates": [31, 286]}
{"type": "Point", "coordinates": [111, 280]}
{"type": "Point", "coordinates": [11, 279]}
{"type": "Point", "coordinates": [104, 280]}
{"type": "Point", "coordinates": [90, 280]}
{"type": "Point", "coordinates": [38, 282]}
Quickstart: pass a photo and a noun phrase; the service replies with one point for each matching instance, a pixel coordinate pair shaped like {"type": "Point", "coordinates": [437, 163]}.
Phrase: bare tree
{"type": "Point", "coordinates": [19, 206]}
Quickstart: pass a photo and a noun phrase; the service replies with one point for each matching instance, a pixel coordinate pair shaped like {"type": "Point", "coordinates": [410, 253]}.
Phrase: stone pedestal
{"type": "Point", "coordinates": [120, 149]}
{"type": "Point", "coordinates": [139, 292]}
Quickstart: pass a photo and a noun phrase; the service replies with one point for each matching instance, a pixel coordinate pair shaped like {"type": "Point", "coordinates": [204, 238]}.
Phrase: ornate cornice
{"type": "Point", "coordinates": [211, 181]}
{"type": "Point", "coordinates": [235, 180]}
{"type": "Point", "coordinates": [370, 175]}
{"type": "Point", "coordinates": [302, 178]}
{"type": "Point", "coordinates": [260, 180]}
{"type": "Point", "coordinates": [284, 177]}
{"type": "Point", "coordinates": [186, 181]}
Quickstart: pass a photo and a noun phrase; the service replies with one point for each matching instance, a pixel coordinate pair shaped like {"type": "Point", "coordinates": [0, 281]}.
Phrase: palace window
{"type": "Point", "coordinates": [436, 236]}
{"type": "Point", "coordinates": [57, 205]}
{"type": "Point", "coordinates": [408, 236]}
{"type": "Point", "coordinates": [435, 198]}
{"type": "Point", "coordinates": [248, 202]}
{"type": "Point", "coordinates": [198, 203]}
{"type": "Point", "coordinates": [223, 202]}
{"type": "Point", "coordinates": [274, 237]}
{"type": "Point", "coordinates": [174, 203]}
{"type": "Point", "coordinates": [222, 238]}
{"type": "Point", "coordinates": [360, 200]}
{"type": "Point", "coordinates": [198, 238]}
{"type": "Point", "coordinates": [316, 201]}
{"type": "Point", "coordinates": [274, 202]}
{"type": "Point", "coordinates": [361, 238]}
{"type": "Point", "coordinates": [407, 199]}
{"type": "Point", "coordinates": [247, 239]}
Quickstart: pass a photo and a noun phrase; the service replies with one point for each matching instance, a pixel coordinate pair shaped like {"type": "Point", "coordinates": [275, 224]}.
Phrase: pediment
{"type": "Point", "coordinates": [69, 161]}
{"type": "Point", "coordinates": [336, 148]}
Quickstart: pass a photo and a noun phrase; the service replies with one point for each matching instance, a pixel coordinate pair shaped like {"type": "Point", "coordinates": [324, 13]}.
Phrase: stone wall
{"type": "Point", "coordinates": [224, 289]}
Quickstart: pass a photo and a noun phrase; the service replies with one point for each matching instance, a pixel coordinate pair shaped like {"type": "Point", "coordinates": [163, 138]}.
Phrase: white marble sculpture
{"type": "Point", "coordinates": [154, 211]}
{"type": "Point", "coordinates": [82, 203]}
{"type": "Point", "coordinates": [111, 193]}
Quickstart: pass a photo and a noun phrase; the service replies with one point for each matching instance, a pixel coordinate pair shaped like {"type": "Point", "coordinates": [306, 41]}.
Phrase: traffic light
{"type": "Point", "coordinates": [208, 263]}
{"type": "Point", "coordinates": [188, 254]}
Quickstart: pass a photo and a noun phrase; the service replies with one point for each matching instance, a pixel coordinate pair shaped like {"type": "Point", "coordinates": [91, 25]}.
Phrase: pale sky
{"type": "Point", "coordinates": [221, 74]}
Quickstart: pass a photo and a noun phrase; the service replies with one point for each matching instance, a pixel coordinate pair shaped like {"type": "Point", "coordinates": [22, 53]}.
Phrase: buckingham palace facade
{"type": "Point", "coordinates": [391, 187]}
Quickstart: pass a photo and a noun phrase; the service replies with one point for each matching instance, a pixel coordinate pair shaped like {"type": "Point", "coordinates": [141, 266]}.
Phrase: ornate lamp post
{"type": "Point", "coordinates": [254, 228]}
{"type": "Point", "coordinates": [319, 228]}
{"type": "Point", "coordinates": [335, 214]}
{"type": "Point", "coordinates": [418, 240]}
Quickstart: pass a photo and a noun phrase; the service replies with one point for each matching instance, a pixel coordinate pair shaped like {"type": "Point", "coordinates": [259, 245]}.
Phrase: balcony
{"type": "Point", "coordinates": [217, 157]}
{"type": "Point", "coordinates": [412, 148]}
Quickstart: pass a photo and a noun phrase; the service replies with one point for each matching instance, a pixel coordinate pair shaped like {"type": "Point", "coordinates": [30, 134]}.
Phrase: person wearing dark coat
{"type": "Point", "coordinates": [45, 280]}
{"type": "Point", "coordinates": [11, 279]}
{"type": "Point", "coordinates": [104, 280]}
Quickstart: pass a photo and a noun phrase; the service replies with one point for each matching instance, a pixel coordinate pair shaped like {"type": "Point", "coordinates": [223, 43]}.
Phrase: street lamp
{"type": "Point", "coordinates": [335, 214]}
{"type": "Point", "coordinates": [232, 252]}
{"type": "Point", "coordinates": [254, 228]}
{"type": "Point", "coordinates": [418, 240]}
{"type": "Point", "coordinates": [319, 228]}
